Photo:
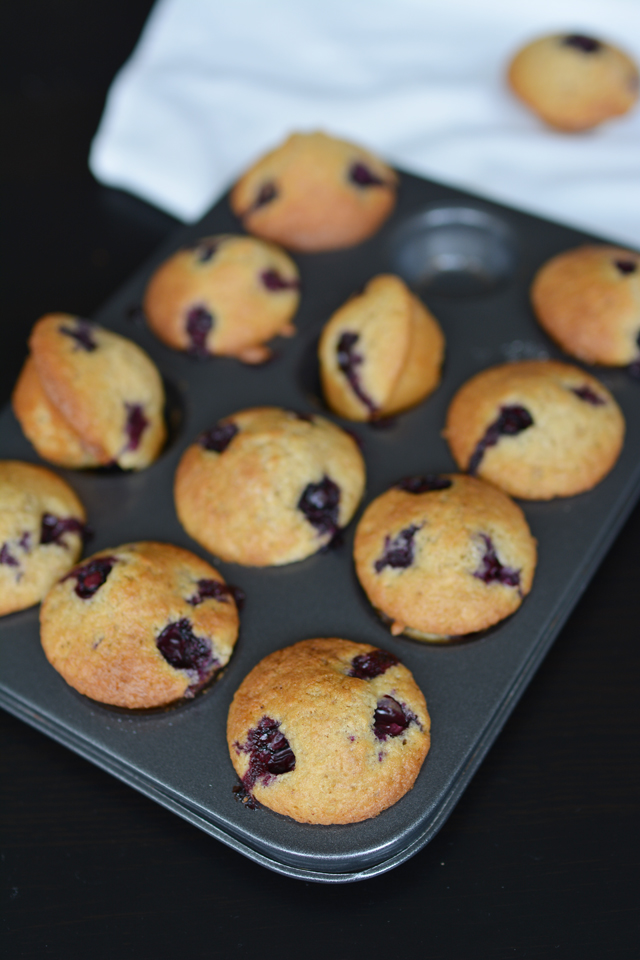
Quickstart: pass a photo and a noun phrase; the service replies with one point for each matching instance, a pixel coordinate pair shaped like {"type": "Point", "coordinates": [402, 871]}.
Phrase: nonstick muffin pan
{"type": "Point", "coordinates": [472, 262]}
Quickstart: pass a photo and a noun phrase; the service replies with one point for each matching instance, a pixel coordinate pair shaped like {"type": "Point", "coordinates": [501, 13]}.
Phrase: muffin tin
{"type": "Point", "coordinates": [472, 261]}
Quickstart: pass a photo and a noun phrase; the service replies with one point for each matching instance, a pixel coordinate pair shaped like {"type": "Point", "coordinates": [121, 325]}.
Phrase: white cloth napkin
{"type": "Point", "coordinates": [213, 84]}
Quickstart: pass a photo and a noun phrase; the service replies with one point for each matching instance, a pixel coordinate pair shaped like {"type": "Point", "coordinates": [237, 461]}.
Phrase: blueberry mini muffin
{"type": "Point", "coordinates": [538, 429]}
{"type": "Point", "coordinates": [42, 524]}
{"type": "Point", "coordinates": [380, 353]}
{"type": "Point", "coordinates": [574, 82]}
{"type": "Point", "coordinates": [315, 192]}
{"type": "Point", "coordinates": [225, 295]}
{"type": "Point", "coordinates": [443, 556]}
{"type": "Point", "coordinates": [267, 486]}
{"type": "Point", "coordinates": [87, 397]}
{"type": "Point", "coordinates": [140, 625]}
{"type": "Point", "coordinates": [588, 301]}
{"type": "Point", "coordinates": [328, 731]}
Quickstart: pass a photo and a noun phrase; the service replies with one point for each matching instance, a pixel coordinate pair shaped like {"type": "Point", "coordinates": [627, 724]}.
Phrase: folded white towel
{"type": "Point", "coordinates": [212, 85]}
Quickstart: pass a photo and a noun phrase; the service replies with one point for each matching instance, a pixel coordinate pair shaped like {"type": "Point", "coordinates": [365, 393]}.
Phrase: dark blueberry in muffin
{"type": "Point", "coordinates": [82, 333]}
{"type": "Point", "coordinates": [213, 589]}
{"type": "Point", "coordinates": [91, 576]}
{"type": "Point", "coordinates": [183, 650]}
{"type": "Point", "coordinates": [430, 481]}
{"type": "Point", "coordinates": [320, 503]}
{"type": "Point", "coordinates": [204, 250]}
{"type": "Point", "coordinates": [360, 174]}
{"type": "Point", "coordinates": [348, 363]}
{"type": "Point", "coordinates": [199, 323]}
{"type": "Point", "coordinates": [589, 396]}
{"type": "Point", "coordinates": [626, 266]}
{"type": "Point", "coordinates": [512, 420]}
{"type": "Point", "coordinates": [579, 42]}
{"type": "Point", "coordinates": [135, 426]}
{"type": "Point", "coordinates": [491, 570]}
{"type": "Point", "coordinates": [275, 281]}
{"type": "Point", "coordinates": [53, 528]}
{"type": "Point", "coordinates": [219, 437]}
{"type": "Point", "coordinates": [398, 551]}
{"type": "Point", "coordinates": [25, 541]}
{"type": "Point", "coordinates": [366, 666]}
{"type": "Point", "coordinates": [266, 194]}
{"type": "Point", "coordinates": [390, 719]}
{"type": "Point", "coordinates": [307, 417]}
{"type": "Point", "coordinates": [7, 557]}
{"type": "Point", "coordinates": [269, 753]}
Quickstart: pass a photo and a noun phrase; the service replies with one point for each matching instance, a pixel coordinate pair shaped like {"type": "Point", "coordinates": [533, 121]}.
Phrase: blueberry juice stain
{"type": "Point", "coordinates": [348, 362]}
{"type": "Point", "coordinates": [511, 421]}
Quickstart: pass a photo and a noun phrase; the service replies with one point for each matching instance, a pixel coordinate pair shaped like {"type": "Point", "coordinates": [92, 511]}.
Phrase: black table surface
{"type": "Point", "coordinates": [538, 859]}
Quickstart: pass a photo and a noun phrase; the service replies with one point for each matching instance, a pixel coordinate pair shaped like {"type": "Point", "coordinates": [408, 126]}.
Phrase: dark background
{"type": "Point", "coordinates": [538, 860]}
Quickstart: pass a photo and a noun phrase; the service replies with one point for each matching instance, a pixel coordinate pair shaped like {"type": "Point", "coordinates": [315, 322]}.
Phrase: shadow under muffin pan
{"type": "Point", "coordinates": [179, 757]}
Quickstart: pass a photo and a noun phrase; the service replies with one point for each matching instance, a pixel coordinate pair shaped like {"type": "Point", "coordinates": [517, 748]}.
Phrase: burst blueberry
{"type": "Point", "coordinates": [425, 484]}
{"type": "Point", "coordinates": [390, 719]}
{"type": "Point", "coordinates": [398, 551]}
{"type": "Point", "coordinates": [512, 420]}
{"type": "Point", "coordinates": [185, 651]}
{"type": "Point", "coordinates": [491, 570]}
{"type": "Point", "coordinates": [82, 334]}
{"type": "Point", "coordinates": [53, 528]}
{"type": "Point", "coordinates": [135, 426]}
{"type": "Point", "coordinates": [320, 503]}
{"type": "Point", "coordinates": [580, 42]}
{"type": "Point", "coordinates": [91, 576]}
{"type": "Point", "coordinates": [199, 323]}
{"type": "Point", "coordinates": [274, 281]}
{"type": "Point", "coordinates": [361, 175]}
{"type": "Point", "coordinates": [218, 437]}
{"type": "Point", "coordinates": [367, 666]}
{"type": "Point", "coordinates": [589, 396]}
{"type": "Point", "coordinates": [348, 362]}
{"type": "Point", "coordinates": [270, 753]}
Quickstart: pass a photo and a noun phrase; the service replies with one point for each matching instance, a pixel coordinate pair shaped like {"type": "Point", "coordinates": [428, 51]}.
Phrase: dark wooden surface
{"type": "Point", "coordinates": [540, 857]}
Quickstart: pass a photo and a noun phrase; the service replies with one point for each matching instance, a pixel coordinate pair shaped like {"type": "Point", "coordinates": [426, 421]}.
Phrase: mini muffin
{"type": "Point", "coordinates": [267, 487]}
{"type": "Point", "coordinates": [443, 556]}
{"type": "Point", "coordinates": [87, 397]}
{"type": "Point", "coordinates": [588, 301]}
{"type": "Point", "coordinates": [574, 82]}
{"type": "Point", "coordinates": [42, 524]}
{"type": "Point", "coordinates": [538, 429]}
{"type": "Point", "coordinates": [380, 353]}
{"type": "Point", "coordinates": [225, 295]}
{"type": "Point", "coordinates": [328, 731]}
{"type": "Point", "coordinates": [140, 625]}
{"type": "Point", "coordinates": [315, 192]}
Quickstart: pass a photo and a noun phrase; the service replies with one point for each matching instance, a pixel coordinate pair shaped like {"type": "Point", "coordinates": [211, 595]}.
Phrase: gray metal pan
{"type": "Point", "coordinates": [472, 261]}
